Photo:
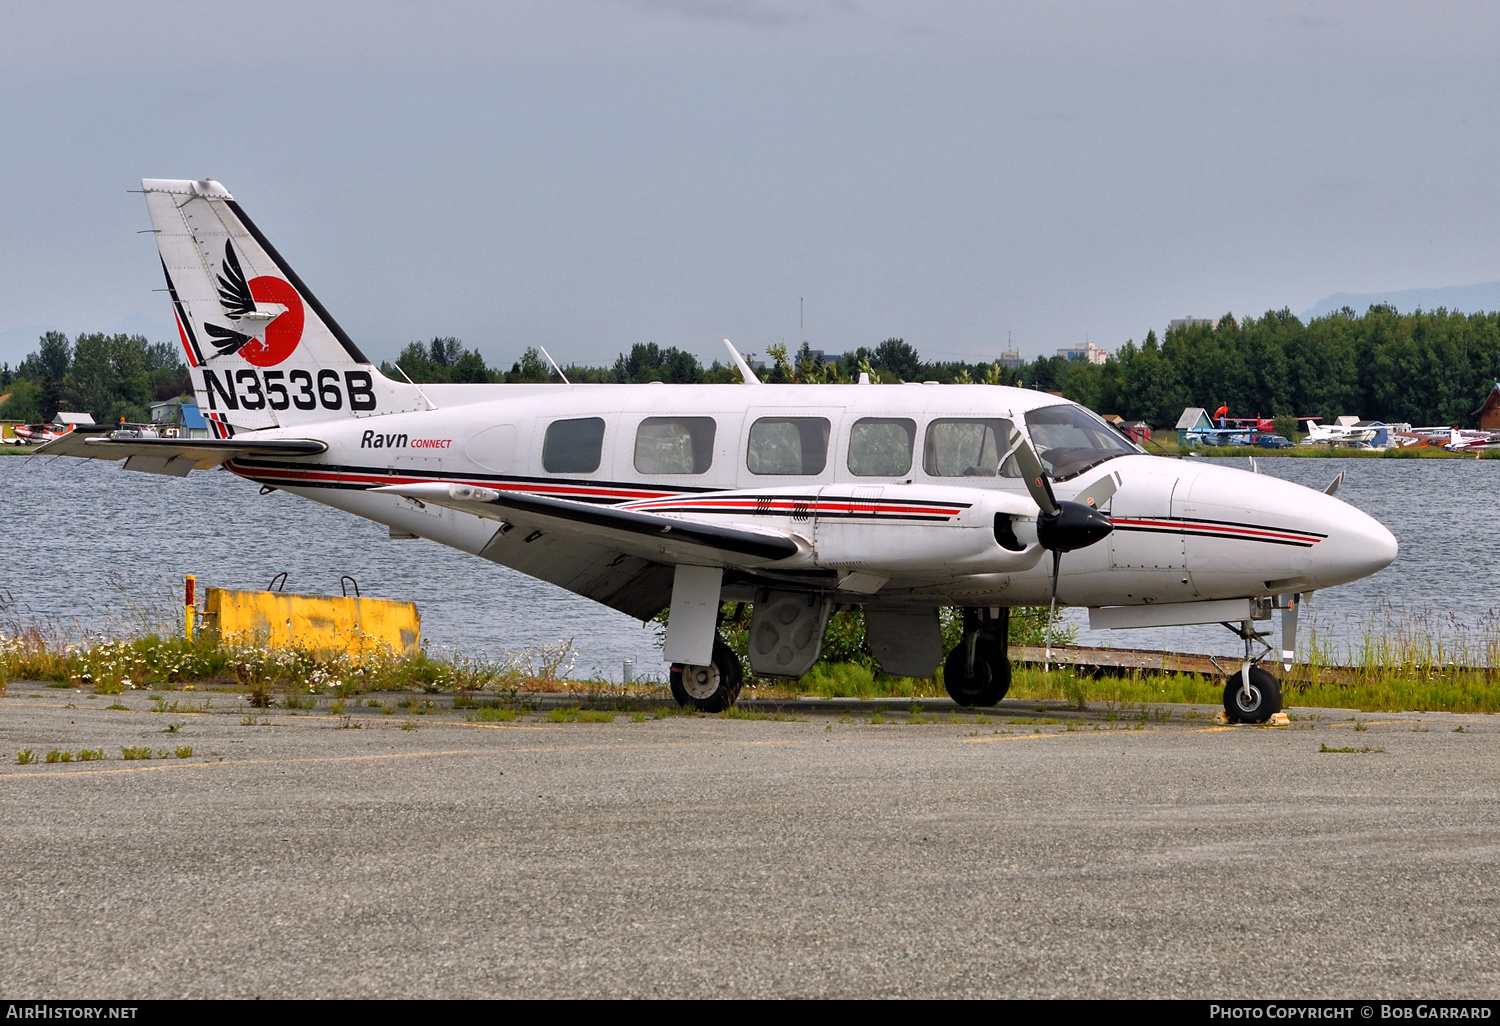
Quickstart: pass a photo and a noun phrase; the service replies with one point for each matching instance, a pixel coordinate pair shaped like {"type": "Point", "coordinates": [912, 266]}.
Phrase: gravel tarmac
{"type": "Point", "coordinates": [1096, 855]}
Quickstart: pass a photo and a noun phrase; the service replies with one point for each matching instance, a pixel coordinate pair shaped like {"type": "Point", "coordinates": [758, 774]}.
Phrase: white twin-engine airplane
{"type": "Point", "coordinates": [794, 499]}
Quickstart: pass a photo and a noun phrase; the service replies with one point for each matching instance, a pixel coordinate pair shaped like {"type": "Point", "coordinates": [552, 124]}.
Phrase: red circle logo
{"type": "Point", "coordinates": [283, 333]}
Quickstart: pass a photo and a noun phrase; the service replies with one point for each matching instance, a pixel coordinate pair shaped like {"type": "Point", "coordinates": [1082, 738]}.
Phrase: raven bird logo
{"type": "Point", "coordinates": [238, 297]}
{"type": "Point", "coordinates": [235, 298]}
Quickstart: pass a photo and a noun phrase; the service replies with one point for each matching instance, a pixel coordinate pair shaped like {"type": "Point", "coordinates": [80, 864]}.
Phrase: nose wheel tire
{"type": "Point", "coordinates": [711, 688]}
{"type": "Point", "coordinates": [989, 679]}
{"type": "Point", "coordinates": [1262, 702]}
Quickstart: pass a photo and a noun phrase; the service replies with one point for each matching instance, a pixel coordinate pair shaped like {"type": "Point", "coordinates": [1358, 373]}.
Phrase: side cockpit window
{"type": "Point", "coordinates": [1070, 439]}
{"type": "Point", "coordinates": [674, 445]}
{"type": "Point", "coordinates": [881, 446]}
{"type": "Point", "coordinates": [573, 446]}
{"type": "Point", "coordinates": [788, 445]}
{"type": "Point", "coordinates": [970, 448]}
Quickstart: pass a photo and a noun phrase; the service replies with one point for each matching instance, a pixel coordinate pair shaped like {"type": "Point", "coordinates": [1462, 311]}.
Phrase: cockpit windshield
{"type": "Point", "coordinates": [1069, 440]}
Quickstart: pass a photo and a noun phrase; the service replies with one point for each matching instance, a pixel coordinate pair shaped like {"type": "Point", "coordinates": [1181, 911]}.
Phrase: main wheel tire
{"type": "Point", "coordinates": [991, 677]}
{"type": "Point", "coordinates": [1263, 702]}
{"type": "Point", "coordinates": [711, 688]}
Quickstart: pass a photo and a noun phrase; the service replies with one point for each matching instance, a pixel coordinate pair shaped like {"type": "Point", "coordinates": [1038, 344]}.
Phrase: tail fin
{"type": "Point", "coordinates": [262, 350]}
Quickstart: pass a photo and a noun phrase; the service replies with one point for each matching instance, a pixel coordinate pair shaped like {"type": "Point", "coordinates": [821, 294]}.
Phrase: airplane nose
{"type": "Point", "coordinates": [1357, 546]}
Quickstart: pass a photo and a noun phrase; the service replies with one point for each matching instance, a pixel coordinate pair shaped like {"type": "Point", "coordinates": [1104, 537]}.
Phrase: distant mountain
{"type": "Point", "coordinates": [1461, 298]}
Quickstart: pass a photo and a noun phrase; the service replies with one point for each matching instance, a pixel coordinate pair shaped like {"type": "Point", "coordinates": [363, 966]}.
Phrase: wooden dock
{"type": "Point", "coordinates": [1124, 659]}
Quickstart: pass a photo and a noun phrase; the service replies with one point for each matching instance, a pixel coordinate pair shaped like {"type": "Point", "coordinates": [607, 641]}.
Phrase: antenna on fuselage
{"type": "Point", "coordinates": [554, 365]}
{"type": "Point", "coordinates": [430, 404]}
{"type": "Point", "coordinates": [739, 361]}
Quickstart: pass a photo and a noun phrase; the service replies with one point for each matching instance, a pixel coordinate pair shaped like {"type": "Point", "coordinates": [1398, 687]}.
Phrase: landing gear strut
{"type": "Point", "coordinates": [1252, 695]}
{"type": "Point", "coordinates": [977, 671]}
{"type": "Point", "coordinates": [711, 688]}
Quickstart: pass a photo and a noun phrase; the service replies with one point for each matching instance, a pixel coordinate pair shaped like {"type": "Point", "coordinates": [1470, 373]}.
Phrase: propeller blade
{"type": "Point", "coordinates": [1333, 485]}
{"type": "Point", "coordinates": [1037, 482]}
{"type": "Point", "coordinates": [1051, 611]}
{"type": "Point", "coordinates": [1100, 491]}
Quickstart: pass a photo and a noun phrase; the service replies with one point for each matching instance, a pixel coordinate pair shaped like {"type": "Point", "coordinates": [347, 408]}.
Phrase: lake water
{"type": "Point", "coordinates": [89, 547]}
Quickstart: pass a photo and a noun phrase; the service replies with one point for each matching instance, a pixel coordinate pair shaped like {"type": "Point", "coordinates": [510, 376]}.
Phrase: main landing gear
{"type": "Point", "coordinates": [1252, 695]}
{"type": "Point", "coordinates": [977, 671]}
{"type": "Point", "coordinates": [711, 688]}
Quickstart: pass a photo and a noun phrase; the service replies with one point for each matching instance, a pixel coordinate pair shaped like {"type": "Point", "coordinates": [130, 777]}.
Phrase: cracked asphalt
{"type": "Point", "coordinates": [291, 855]}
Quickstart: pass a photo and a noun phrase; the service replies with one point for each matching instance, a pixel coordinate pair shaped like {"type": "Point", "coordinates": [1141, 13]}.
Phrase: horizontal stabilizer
{"type": "Point", "coordinates": [175, 457]}
{"type": "Point", "coordinates": [651, 534]}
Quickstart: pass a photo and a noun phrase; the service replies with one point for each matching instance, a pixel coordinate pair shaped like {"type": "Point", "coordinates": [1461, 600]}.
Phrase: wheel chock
{"type": "Point", "coordinates": [1279, 719]}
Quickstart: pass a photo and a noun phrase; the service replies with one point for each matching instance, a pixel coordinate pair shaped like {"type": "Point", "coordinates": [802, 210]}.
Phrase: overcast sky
{"type": "Point", "coordinates": [587, 174]}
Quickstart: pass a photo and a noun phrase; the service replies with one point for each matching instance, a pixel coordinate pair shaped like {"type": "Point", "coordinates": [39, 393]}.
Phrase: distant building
{"type": "Point", "coordinates": [1488, 413]}
{"type": "Point", "coordinates": [183, 416]}
{"type": "Point", "coordinates": [1382, 432]}
{"type": "Point", "coordinates": [1136, 430]}
{"type": "Point", "coordinates": [1188, 322]}
{"type": "Point", "coordinates": [1084, 351]}
{"type": "Point", "coordinates": [1194, 418]}
{"type": "Point", "coordinates": [1010, 358]}
{"type": "Point", "coordinates": [76, 419]}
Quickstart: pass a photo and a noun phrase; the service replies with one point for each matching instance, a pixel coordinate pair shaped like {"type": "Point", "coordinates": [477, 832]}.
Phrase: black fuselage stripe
{"type": "Point", "coordinates": [1216, 534]}
{"type": "Point", "coordinates": [453, 475]}
{"type": "Point", "coordinates": [1248, 527]}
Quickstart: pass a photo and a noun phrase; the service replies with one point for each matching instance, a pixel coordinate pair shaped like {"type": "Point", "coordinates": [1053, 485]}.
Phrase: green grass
{"type": "Point", "coordinates": [577, 715]}
{"type": "Point", "coordinates": [1348, 751]}
{"type": "Point", "coordinates": [734, 712]}
{"type": "Point", "coordinates": [1416, 663]}
{"type": "Point", "coordinates": [25, 757]}
{"type": "Point", "coordinates": [130, 753]}
{"type": "Point", "coordinates": [494, 714]}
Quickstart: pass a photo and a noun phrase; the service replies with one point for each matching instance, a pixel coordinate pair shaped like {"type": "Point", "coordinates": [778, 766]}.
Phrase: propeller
{"type": "Point", "coordinates": [1062, 525]}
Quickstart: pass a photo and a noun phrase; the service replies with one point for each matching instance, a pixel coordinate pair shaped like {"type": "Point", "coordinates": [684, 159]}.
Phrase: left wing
{"type": "Point", "coordinates": [658, 537]}
{"type": "Point", "coordinates": [175, 457]}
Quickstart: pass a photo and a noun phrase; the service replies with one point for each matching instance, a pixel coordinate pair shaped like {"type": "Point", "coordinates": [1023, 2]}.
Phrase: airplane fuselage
{"type": "Point", "coordinates": [892, 490]}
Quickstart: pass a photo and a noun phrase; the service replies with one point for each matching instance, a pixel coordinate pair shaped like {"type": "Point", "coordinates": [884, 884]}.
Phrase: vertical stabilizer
{"type": "Point", "coordinates": [263, 351]}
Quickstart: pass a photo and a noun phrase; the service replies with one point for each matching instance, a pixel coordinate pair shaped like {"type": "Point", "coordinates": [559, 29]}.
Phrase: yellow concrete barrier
{"type": "Point", "coordinates": [321, 623]}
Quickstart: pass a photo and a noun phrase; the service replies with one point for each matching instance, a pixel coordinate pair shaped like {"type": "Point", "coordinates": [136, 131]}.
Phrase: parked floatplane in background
{"type": "Point", "coordinates": [36, 434]}
{"type": "Point", "coordinates": [795, 499]}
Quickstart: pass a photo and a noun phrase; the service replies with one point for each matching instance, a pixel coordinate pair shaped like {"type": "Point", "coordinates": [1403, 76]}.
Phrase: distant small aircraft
{"type": "Point", "coordinates": [795, 499]}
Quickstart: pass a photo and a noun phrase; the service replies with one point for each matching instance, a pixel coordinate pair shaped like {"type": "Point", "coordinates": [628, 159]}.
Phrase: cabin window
{"type": "Point", "coordinates": [674, 445]}
{"type": "Point", "coordinates": [881, 446]}
{"type": "Point", "coordinates": [573, 446]}
{"type": "Point", "coordinates": [788, 445]}
{"type": "Point", "coordinates": [969, 448]}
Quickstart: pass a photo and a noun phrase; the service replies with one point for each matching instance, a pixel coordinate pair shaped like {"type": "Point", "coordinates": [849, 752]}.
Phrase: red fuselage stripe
{"type": "Point", "coordinates": [1220, 529]}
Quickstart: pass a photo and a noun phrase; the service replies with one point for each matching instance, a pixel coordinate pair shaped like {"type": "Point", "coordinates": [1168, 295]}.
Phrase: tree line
{"type": "Point", "coordinates": [105, 376]}
{"type": "Point", "coordinates": [1428, 367]}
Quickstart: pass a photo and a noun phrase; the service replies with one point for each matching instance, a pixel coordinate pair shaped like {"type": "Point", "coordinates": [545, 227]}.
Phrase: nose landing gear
{"type": "Point", "coordinates": [977, 671]}
{"type": "Point", "coordinates": [711, 688]}
{"type": "Point", "coordinates": [1252, 695]}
